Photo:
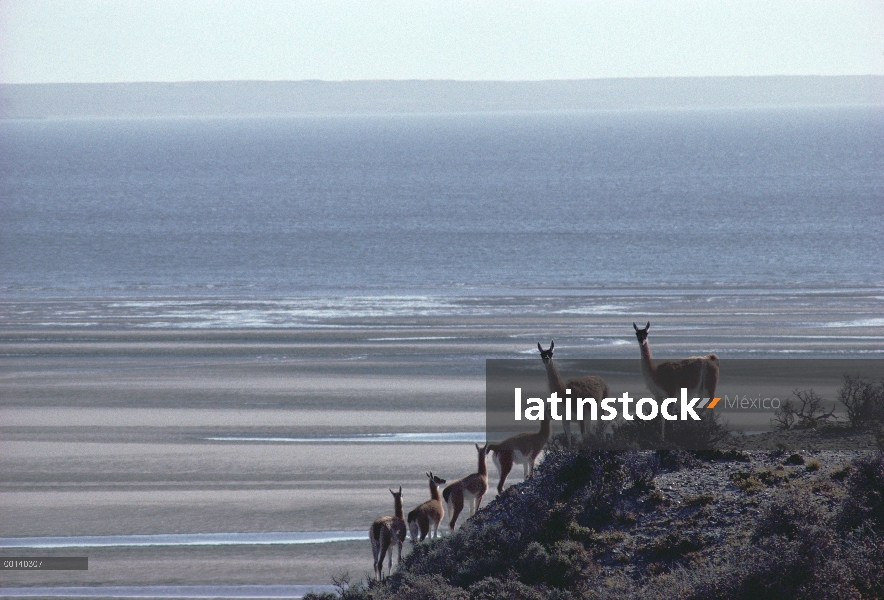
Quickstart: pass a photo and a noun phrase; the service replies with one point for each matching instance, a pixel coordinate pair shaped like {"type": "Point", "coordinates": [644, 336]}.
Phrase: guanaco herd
{"type": "Point", "coordinates": [698, 374]}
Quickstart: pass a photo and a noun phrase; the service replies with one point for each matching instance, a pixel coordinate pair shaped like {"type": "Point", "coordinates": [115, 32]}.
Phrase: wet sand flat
{"type": "Point", "coordinates": [89, 488]}
{"type": "Point", "coordinates": [99, 441]}
{"type": "Point", "coordinates": [109, 431]}
{"type": "Point", "coordinates": [54, 489]}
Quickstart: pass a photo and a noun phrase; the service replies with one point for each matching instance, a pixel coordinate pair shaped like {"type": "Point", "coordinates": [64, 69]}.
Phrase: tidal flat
{"type": "Point", "coordinates": [112, 429]}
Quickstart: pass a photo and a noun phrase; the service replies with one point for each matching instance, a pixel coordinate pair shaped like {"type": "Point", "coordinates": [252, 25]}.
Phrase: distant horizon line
{"type": "Point", "coordinates": [441, 80]}
{"type": "Point", "coordinates": [395, 96]}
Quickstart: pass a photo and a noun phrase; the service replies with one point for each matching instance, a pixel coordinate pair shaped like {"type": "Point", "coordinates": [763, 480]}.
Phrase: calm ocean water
{"type": "Point", "coordinates": [276, 222]}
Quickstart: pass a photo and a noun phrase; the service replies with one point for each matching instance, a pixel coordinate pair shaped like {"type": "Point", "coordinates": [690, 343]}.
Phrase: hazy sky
{"type": "Point", "coordinates": [199, 40]}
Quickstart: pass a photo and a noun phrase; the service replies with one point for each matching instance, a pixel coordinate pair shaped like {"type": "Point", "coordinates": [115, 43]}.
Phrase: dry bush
{"type": "Point", "coordinates": [863, 400]}
{"type": "Point", "coordinates": [810, 415]}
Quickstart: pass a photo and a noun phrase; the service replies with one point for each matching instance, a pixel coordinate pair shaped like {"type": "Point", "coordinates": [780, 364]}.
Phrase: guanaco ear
{"type": "Point", "coordinates": [539, 347]}
{"type": "Point", "coordinates": [400, 490]}
{"type": "Point", "coordinates": [648, 326]}
{"type": "Point", "coordinates": [634, 326]}
{"type": "Point", "coordinates": [392, 492]}
{"type": "Point", "coordinates": [552, 344]}
{"type": "Point", "coordinates": [430, 474]}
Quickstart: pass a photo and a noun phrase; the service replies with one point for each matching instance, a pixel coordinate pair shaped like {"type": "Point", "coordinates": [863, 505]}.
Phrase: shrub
{"type": "Point", "coordinates": [788, 513]}
{"type": "Point", "coordinates": [673, 546]}
{"type": "Point", "coordinates": [706, 434]}
{"type": "Point", "coordinates": [752, 481]}
{"type": "Point", "coordinates": [746, 481]}
{"type": "Point", "coordinates": [810, 415]}
{"type": "Point", "coordinates": [843, 472]}
{"type": "Point", "coordinates": [865, 502]}
{"type": "Point", "coordinates": [560, 565]}
{"type": "Point", "coordinates": [598, 438]}
{"type": "Point", "coordinates": [795, 459]}
{"type": "Point", "coordinates": [773, 476]}
{"type": "Point", "coordinates": [700, 500]}
{"type": "Point", "coordinates": [656, 497]}
{"type": "Point", "coordinates": [408, 586]}
{"type": "Point", "coordinates": [493, 588]}
{"type": "Point", "coordinates": [784, 416]}
{"type": "Point", "coordinates": [863, 400]}
{"type": "Point", "coordinates": [716, 454]}
{"type": "Point", "coordinates": [779, 449]}
{"type": "Point", "coordinates": [641, 469]}
{"type": "Point", "coordinates": [676, 459]}
{"type": "Point", "coordinates": [604, 540]}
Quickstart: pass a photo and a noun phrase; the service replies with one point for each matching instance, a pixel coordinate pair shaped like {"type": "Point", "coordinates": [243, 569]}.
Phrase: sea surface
{"type": "Point", "coordinates": [313, 221]}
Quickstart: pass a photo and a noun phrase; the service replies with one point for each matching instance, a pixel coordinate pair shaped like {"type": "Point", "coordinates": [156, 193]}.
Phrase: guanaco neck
{"type": "Point", "coordinates": [552, 375]}
{"type": "Point", "coordinates": [398, 501]}
{"type": "Point", "coordinates": [482, 469]}
{"type": "Point", "coordinates": [434, 491]}
{"type": "Point", "coordinates": [647, 359]}
{"type": "Point", "coordinates": [555, 385]}
{"type": "Point", "coordinates": [545, 429]}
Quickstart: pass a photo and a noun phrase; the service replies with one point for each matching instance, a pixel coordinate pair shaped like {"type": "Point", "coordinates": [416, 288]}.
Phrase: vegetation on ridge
{"type": "Point", "coordinates": [671, 523]}
{"type": "Point", "coordinates": [596, 524]}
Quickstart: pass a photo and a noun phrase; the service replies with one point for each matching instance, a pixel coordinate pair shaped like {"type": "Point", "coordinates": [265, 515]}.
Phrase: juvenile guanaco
{"type": "Point", "coordinates": [429, 514]}
{"type": "Point", "coordinates": [522, 448]}
{"type": "Point", "coordinates": [468, 489]}
{"type": "Point", "coordinates": [383, 532]}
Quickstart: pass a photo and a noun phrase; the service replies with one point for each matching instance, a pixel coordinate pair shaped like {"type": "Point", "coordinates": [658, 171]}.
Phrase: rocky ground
{"type": "Point", "coordinates": [711, 505]}
{"type": "Point", "coordinates": [804, 523]}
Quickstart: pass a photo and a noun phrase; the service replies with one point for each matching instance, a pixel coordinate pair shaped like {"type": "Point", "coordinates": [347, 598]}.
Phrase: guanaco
{"type": "Point", "coordinates": [588, 386]}
{"type": "Point", "coordinates": [385, 531]}
{"type": "Point", "coordinates": [698, 374]}
{"type": "Point", "coordinates": [429, 514]}
{"type": "Point", "coordinates": [470, 488]}
{"type": "Point", "coordinates": [522, 448]}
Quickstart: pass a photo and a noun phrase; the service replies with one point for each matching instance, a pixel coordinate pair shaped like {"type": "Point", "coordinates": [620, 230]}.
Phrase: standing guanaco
{"type": "Point", "coordinates": [522, 448]}
{"type": "Point", "coordinates": [429, 514]}
{"type": "Point", "coordinates": [698, 374]}
{"type": "Point", "coordinates": [385, 531]}
{"type": "Point", "coordinates": [588, 386]}
{"type": "Point", "coordinates": [470, 488]}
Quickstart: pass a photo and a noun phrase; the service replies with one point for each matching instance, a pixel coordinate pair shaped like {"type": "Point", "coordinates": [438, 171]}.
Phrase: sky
{"type": "Point", "coordinates": [60, 41]}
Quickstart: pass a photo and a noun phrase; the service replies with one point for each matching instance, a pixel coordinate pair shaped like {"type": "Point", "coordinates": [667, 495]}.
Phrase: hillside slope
{"type": "Point", "coordinates": [665, 525]}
